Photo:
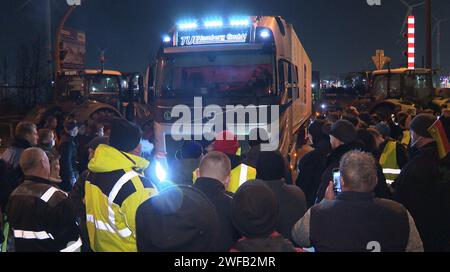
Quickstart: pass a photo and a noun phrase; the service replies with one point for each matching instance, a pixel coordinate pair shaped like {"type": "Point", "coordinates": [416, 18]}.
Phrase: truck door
{"type": "Point", "coordinates": [287, 95]}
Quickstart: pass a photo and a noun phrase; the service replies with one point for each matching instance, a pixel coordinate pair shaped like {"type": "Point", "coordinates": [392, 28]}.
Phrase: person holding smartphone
{"type": "Point", "coordinates": [360, 221]}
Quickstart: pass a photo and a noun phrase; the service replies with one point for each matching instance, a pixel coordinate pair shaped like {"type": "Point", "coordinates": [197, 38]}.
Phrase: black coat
{"type": "Point", "coordinates": [11, 174]}
{"type": "Point", "coordinates": [420, 189]}
{"type": "Point", "coordinates": [215, 191]}
{"type": "Point", "coordinates": [310, 169]}
{"type": "Point", "coordinates": [37, 206]}
{"type": "Point", "coordinates": [5, 186]}
{"type": "Point", "coordinates": [292, 205]}
{"type": "Point", "coordinates": [333, 160]}
{"type": "Point", "coordinates": [68, 162]}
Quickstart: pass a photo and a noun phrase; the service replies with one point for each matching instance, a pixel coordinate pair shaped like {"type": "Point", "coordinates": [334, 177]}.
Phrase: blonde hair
{"type": "Point", "coordinates": [215, 165]}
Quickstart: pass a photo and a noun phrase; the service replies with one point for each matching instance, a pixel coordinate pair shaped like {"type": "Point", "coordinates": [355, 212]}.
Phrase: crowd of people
{"type": "Point", "coordinates": [91, 188]}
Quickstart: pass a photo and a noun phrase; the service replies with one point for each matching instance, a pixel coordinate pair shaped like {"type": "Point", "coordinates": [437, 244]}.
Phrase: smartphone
{"type": "Point", "coordinates": [337, 181]}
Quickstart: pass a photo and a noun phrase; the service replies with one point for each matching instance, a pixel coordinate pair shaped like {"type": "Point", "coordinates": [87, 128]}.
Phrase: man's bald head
{"type": "Point", "coordinates": [34, 162]}
{"type": "Point", "coordinates": [215, 165]}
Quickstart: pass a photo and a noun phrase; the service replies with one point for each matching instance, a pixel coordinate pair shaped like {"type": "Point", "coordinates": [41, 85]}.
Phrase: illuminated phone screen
{"type": "Point", "coordinates": [337, 181]}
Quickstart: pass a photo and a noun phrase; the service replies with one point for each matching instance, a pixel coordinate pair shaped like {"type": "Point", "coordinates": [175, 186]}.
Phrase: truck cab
{"type": "Point", "coordinates": [250, 61]}
{"type": "Point", "coordinates": [400, 89]}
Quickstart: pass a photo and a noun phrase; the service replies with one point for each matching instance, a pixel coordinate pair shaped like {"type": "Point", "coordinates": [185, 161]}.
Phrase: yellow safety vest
{"type": "Point", "coordinates": [388, 161]}
{"type": "Point", "coordinates": [406, 139]}
{"type": "Point", "coordinates": [238, 176]}
{"type": "Point", "coordinates": [112, 227]}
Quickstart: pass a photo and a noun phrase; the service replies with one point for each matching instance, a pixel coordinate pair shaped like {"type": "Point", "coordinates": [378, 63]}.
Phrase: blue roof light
{"type": "Point", "coordinates": [213, 23]}
{"type": "Point", "coordinates": [188, 25]}
{"type": "Point", "coordinates": [239, 22]}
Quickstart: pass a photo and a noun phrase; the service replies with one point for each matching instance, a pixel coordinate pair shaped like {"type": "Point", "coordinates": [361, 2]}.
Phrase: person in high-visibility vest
{"type": "Point", "coordinates": [115, 188]}
{"type": "Point", "coordinates": [226, 142]}
{"type": "Point", "coordinates": [392, 154]}
{"type": "Point", "coordinates": [403, 120]}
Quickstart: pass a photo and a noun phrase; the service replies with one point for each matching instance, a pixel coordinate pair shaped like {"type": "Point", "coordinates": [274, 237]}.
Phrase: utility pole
{"type": "Point", "coordinates": [428, 34]}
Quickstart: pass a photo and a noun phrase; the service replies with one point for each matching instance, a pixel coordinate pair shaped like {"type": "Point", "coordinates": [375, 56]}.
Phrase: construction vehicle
{"type": "Point", "coordinates": [256, 61]}
{"type": "Point", "coordinates": [393, 90]}
{"type": "Point", "coordinates": [95, 95]}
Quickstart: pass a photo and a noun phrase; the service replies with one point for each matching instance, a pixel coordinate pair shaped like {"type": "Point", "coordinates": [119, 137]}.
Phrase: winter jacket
{"type": "Point", "coordinates": [291, 203]}
{"type": "Point", "coordinates": [12, 154]}
{"type": "Point", "coordinates": [11, 157]}
{"type": "Point", "coordinates": [310, 169]}
{"type": "Point", "coordinates": [41, 218]}
{"type": "Point", "coordinates": [215, 191]}
{"type": "Point", "coordinates": [68, 162]}
{"type": "Point", "coordinates": [419, 189]}
{"type": "Point", "coordinates": [356, 221]}
{"type": "Point", "coordinates": [114, 189]}
{"type": "Point", "coordinates": [5, 186]}
{"type": "Point", "coordinates": [274, 243]}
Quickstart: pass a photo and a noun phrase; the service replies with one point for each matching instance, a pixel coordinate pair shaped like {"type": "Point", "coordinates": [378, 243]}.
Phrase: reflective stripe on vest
{"type": "Point", "coordinates": [388, 162]}
{"type": "Point", "coordinates": [239, 175]}
{"type": "Point", "coordinates": [73, 247]}
{"type": "Point", "coordinates": [49, 193]}
{"type": "Point", "coordinates": [112, 195]}
{"type": "Point", "coordinates": [243, 174]}
{"type": "Point", "coordinates": [107, 227]}
{"type": "Point", "coordinates": [110, 226]}
{"type": "Point", "coordinates": [39, 235]}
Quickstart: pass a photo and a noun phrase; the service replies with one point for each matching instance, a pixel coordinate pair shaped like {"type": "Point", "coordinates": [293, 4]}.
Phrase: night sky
{"type": "Point", "coordinates": [339, 35]}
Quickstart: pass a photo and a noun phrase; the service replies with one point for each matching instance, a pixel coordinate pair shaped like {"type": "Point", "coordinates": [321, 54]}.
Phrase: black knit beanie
{"type": "Point", "coordinates": [125, 136]}
{"type": "Point", "coordinates": [421, 123]}
{"type": "Point", "coordinates": [254, 209]}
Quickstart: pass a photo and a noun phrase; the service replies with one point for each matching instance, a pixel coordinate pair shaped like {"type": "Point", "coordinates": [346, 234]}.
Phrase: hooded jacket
{"type": "Point", "coordinates": [420, 189]}
{"type": "Point", "coordinates": [115, 187]}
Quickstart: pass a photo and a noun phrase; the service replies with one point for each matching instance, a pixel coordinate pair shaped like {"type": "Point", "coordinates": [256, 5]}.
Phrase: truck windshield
{"type": "Point", "coordinates": [102, 84]}
{"type": "Point", "coordinates": [216, 74]}
{"type": "Point", "coordinates": [380, 86]}
{"type": "Point", "coordinates": [409, 86]}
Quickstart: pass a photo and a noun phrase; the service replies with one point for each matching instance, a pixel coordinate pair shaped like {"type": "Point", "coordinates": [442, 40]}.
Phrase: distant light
{"type": "Point", "coordinates": [313, 85]}
{"type": "Point", "coordinates": [187, 25]}
{"type": "Point", "coordinates": [161, 173]}
{"type": "Point", "coordinates": [166, 39]}
{"type": "Point", "coordinates": [323, 106]}
{"type": "Point", "coordinates": [239, 22]}
{"type": "Point", "coordinates": [265, 34]}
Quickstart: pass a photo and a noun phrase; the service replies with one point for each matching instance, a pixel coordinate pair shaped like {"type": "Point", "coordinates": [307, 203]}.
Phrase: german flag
{"type": "Point", "coordinates": [440, 131]}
